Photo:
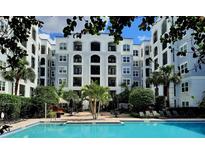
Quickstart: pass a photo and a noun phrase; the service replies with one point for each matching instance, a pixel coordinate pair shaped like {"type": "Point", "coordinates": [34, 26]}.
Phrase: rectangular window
{"type": "Point", "coordinates": [52, 73]}
{"type": "Point", "coordinates": [147, 72]}
{"type": "Point", "coordinates": [77, 69]}
{"type": "Point", "coordinates": [165, 58]}
{"type": "Point", "coordinates": [62, 70]}
{"type": "Point", "coordinates": [33, 62]}
{"type": "Point", "coordinates": [53, 53]}
{"type": "Point", "coordinates": [111, 81]}
{"type": "Point", "coordinates": [127, 82]}
{"type": "Point", "coordinates": [147, 50]}
{"type": "Point", "coordinates": [184, 68]}
{"type": "Point", "coordinates": [183, 48]}
{"type": "Point", "coordinates": [126, 47]}
{"type": "Point", "coordinates": [136, 83]}
{"type": "Point", "coordinates": [185, 87]}
{"type": "Point", "coordinates": [135, 53]}
{"type": "Point", "coordinates": [52, 63]}
{"type": "Point", "coordinates": [22, 90]}
{"type": "Point", "coordinates": [126, 59]}
{"type": "Point", "coordinates": [185, 104]}
{"type": "Point", "coordinates": [61, 81]}
{"type": "Point", "coordinates": [43, 49]}
{"type": "Point", "coordinates": [95, 70]}
{"type": "Point", "coordinates": [62, 58]}
{"type": "Point", "coordinates": [141, 52]}
{"type": "Point", "coordinates": [111, 70]}
{"type": "Point", "coordinates": [31, 91]}
{"type": "Point", "coordinates": [126, 70]}
{"type": "Point", "coordinates": [2, 85]}
{"type": "Point", "coordinates": [63, 46]}
{"type": "Point", "coordinates": [135, 73]}
{"type": "Point", "coordinates": [155, 37]}
{"type": "Point", "coordinates": [42, 71]}
{"type": "Point", "coordinates": [135, 63]}
{"type": "Point", "coordinates": [156, 65]}
{"type": "Point", "coordinates": [77, 81]}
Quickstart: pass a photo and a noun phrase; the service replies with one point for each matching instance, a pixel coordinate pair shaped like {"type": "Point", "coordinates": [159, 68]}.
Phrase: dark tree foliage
{"type": "Point", "coordinates": [95, 24]}
{"type": "Point", "coordinates": [13, 31]}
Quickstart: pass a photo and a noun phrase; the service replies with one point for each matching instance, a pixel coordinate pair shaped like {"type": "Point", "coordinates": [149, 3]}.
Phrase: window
{"type": "Point", "coordinates": [135, 63]}
{"type": "Point", "coordinates": [147, 62]}
{"type": "Point", "coordinates": [2, 85]}
{"type": "Point", "coordinates": [111, 46]}
{"type": "Point", "coordinates": [42, 71]}
{"type": "Point", "coordinates": [111, 81]}
{"type": "Point", "coordinates": [77, 81]}
{"type": "Point", "coordinates": [165, 58]}
{"type": "Point", "coordinates": [111, 70]}
{"type": "Point", "coordinates": [52, 63]}
{"type": "Point", "coordinates": [96, 80]}
{"type": "Point", "coordinates": [126, 47]}
{"type": "Point", "coordinates": [147, 71]}
{"type": "Point", "coordinates": [127, 82]}
{"type": "Point", "coordinates": [53, 53]}
{"type": "Point", "coordinates": [164, 45]}
{"type": "Point", "coordinates": [164, 26]}
{"type": "Point", "coordinates": [77, 46]}
{"type": "Point", "coordinates": [95, 46]}
{"type": "Point", "coordinates": [63, 46]}
{"type": "Point", "coordinates": [52, 73]}
{"type": "Point", "coordinates": [34, 34]}
{"type": "Point", "coordinates": [77, 69]}
{"type": "Point", "coordinates": [155, 51]}
{"type": "Point", "coordinates": [95, 70]}
{"type": "Point", "coordinates": [126, 59]}
{"type": "Point", "coordinates": [32, 62]}
{"type": "Point", "coordinates": [42, 61]}
{"type": "Point", "coordinates": [185, 87]}
{"type": "Point", "coordinates": [147, 50]}
{"type": "Point", "coordinates": [126, 70]}
{"type": "Point", "coordinates": [62, 70]}
{"type": "Point", "coordinates": [135, 83]}
{"type": "Point", "coordinates": [184, 68]}
{"type": "Point", "coordinates": [111, 59]}
{"type": "Point", "coordinates": [185, 104]}
{"type": "Point", "coordinates": [135, 73]}
{"type": "Point", "coordinates": [183, 48]}
{"type": "Point", "coordinates": [22, 90]}
{"type": "Point", "coordinates": [42, 82]}
{"type": "Point", "coordinates": [95, 59]}
{"type": "Point", "coordinates": [33, 49]}
{"type": "Point", "coordinates": [43, 49]}
{"type": "Point", "coordinates": [61, 81]}
{"type": "Point", "coordinates": [31, 91]}
{"type": "Point", "coordinates": [77, 59]}
{"type": "Point", "coordinates": [135, 53]}
{"type": "Point", "coordinates": [156, 65]}
{"type": "Point", "coordinates": [62, 58]}
{"type": "Point", "coordinates": [155, 37]}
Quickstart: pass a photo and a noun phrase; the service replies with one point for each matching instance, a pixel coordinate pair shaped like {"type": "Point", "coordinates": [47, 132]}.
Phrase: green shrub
{"type": "Point", "coordinates": [136, 115]}
{"type": "Point", "coordinates": [159, 102]}
{"type": "Point", "coordinates": [51, 114]}
{"type": "Point", "coordinates": [26, 107]}
{"type": "Point", "coordinates": [141, 98]}
{"type": "Point", "coordinates": [11, 106]}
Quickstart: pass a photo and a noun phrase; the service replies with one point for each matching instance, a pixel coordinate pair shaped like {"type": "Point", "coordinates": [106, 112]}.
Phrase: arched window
{"type": "Point", "coordinates": [33, 49]}
{"type": "Point", "coordinates": [155, 51]}
{"type": "Point", "coordinates": [111, 59]}
{"type": "Point", "coordinates": [95, 59]}
{"type": "Point", "coordinates": [95, 46]}
{"type": "Point", "coordinates": [77, 59]}
{"type": "Point", "coordinates": [42, 61]}
{"type": "Point", "coordinates": [77, 46]}
{"type": "Point", "coordinates": [111, 46]}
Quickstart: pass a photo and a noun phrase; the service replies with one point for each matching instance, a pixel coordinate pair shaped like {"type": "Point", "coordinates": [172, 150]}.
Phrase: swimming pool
{"type": "Point", "coordinates": [154, 129]}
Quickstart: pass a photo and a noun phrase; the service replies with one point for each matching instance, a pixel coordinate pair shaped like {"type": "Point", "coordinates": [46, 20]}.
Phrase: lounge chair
{"type": "Point", "coordinates": [142, 115]}
{"type": "Point", "coordinates": [148, 114]}
{"type": "Point", "coordinates": [175, 113]}
{"type": "Point", "coordinates": [156, 114]}
{"type": "Point", "coordinates": [168, 113]}
{"type": "Point", "coordinates": [161, 113]}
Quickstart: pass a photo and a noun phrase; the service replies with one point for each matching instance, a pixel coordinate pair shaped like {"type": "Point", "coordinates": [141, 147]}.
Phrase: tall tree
{"type": "Point", "coordinates": [22, 72]}
{"type": "Point", "coordinates": [15, 30]}
{"type": "Point", "coordinates": [95, 93]}
{"type": "Point", "coordinates": [167, 76]}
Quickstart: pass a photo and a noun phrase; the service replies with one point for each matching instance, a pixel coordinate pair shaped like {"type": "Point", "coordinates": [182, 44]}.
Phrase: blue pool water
{"type": "Point", "coordinates": [126, 130]}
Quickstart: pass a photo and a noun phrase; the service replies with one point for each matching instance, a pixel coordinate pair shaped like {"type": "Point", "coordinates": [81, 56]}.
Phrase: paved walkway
{"type": "Point", "coordinates": [86, 117]}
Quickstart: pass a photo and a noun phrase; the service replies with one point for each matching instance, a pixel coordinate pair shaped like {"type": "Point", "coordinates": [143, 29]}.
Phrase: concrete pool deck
{"type": "Point", "coordinates": [86, 117]}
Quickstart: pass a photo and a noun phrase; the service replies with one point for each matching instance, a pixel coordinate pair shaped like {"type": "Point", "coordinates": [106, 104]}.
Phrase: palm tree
{"type": "Point", "coordinates": [18, 73]}
{"type": "Point", "coordinates": [167, 76]}
{"type": "Point", "coordinates": [95, 94]}
{"type": "Point", "coordinates": [155, 79]}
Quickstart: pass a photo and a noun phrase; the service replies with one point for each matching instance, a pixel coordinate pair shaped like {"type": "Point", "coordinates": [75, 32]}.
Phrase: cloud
{"type": "Point", "coordinates": [143, 37]}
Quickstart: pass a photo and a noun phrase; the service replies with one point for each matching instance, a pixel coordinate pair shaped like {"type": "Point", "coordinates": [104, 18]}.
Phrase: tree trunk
{"type": "Point", "coordinates": [94, 109]}
{"type": "Point", "coordinates": [166, 88]}
{"type": "Point", "coordinates": [16, 86]}
{"type": "Point", "coordinates": [168, 95]}
{"type": "Point", "coordinates": [98, 110]}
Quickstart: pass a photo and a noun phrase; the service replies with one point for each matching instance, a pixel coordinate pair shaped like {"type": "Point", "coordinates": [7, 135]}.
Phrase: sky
{"type": "Point", "coordinates": [54, 25]}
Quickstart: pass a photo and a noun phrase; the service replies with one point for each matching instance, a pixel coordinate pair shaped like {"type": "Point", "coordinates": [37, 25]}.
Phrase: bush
{"type": "Point", "coordinates": [141, 98]}
{"type": "Point", "coordinates": [11, 106]}
{"type": "Point", "coordinates": [159, 102]}
{"type": "Point", "coordinates": [136, 115]}
{"type": "Point", "coordinates": [51, 114]}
